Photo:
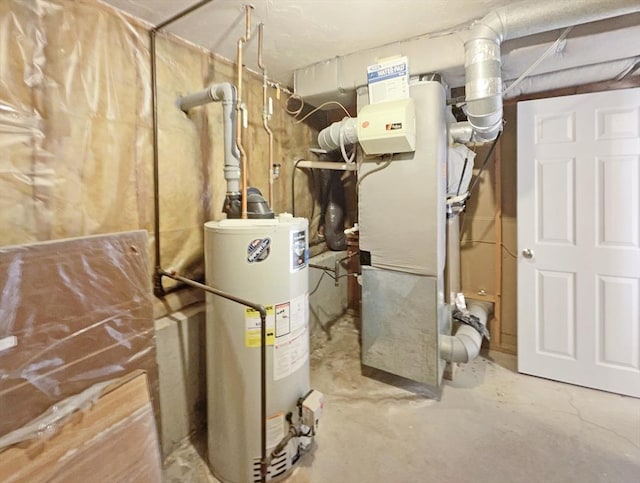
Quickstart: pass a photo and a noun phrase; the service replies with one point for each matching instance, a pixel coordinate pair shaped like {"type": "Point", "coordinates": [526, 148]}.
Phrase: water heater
{"type": "Point", "coordinates": [264, 261]}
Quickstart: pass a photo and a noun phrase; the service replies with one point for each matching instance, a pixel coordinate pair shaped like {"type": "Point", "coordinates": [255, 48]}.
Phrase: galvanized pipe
{"type": "Point", "coordinates": [483, 85]}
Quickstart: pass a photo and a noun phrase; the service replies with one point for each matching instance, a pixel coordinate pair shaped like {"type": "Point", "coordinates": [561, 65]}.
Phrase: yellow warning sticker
{"type": "Point", "coordinates": [253, 326]}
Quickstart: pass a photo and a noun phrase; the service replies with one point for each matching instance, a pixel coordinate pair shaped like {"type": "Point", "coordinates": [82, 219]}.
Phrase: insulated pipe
{"type": "Point", "coordinates": [225, 93]}
{"type": "Point", "coordinates": [330, 137]}
{"type": "Point", "coordinates": [265, 111]}
{"type": "Point", "coordinates": [453, 257]}
{"type": "Point", "coordinates": [461, 132]}
{"type": "Point", "coordinates": [483, 84]}
{"type": "Point", "coordinates": [240, 107]}
{"type": "Point", "coordinates": [465, 345]}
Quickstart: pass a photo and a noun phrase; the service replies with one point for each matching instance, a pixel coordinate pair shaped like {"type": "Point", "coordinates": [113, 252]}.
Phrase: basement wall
{"type": "Point", "coordinates": [77, 156]}
{"type": "Point", "coordinates": [76, 131]}
{"type": "Point", "coordinates": [478, 251]}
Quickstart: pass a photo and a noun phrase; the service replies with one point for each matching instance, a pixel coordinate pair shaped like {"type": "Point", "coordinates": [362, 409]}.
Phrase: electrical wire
{"type": "Point", "coordinates": [318, 284]}
{"type": "Point", "coordinates": [347, 159]}
{"type": "Point", "coordinates": [379, 168]}
{"type": "Point", "coordinates": [484, 163]}
{"type": "Point", "coordinates": [477, 178]}
{"type": "Point", "coordinates": [296, 112]}
{"type": "Point", "coordinates": [635, 65]}
{"type": "Point", "coordinates": [463, 241]}
{"type": "Point", "coordinates": [533, 66]}
{"type": "Point", "coordinates": [320, 107]}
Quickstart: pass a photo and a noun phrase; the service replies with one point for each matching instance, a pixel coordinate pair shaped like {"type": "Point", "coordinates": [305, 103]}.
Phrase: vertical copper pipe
{"type": "Point", "coordinates": [265, 111]}
{"type": "Point", "coordinates": [240, 107]}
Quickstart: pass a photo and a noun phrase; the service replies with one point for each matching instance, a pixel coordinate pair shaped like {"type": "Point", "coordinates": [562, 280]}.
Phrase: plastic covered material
{"type": "Point", "coordinates": [49, 422]}
{"type": "Point", "coordinates": [77, 312]}
{"type": "Point", "coordinates": [113, 440]}
{"type": "Point", "coordinates": [76, 130]}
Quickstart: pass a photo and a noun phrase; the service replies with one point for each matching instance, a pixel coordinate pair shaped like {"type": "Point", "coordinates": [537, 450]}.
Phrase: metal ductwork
{"type": "Point", "coordinates": [483, 83]}
{"type": "Point", "coordinates": [227, 94]}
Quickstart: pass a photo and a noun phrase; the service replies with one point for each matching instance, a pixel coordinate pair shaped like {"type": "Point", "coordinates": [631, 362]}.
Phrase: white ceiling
{"type": "Point", "coordinates": [301, 32]}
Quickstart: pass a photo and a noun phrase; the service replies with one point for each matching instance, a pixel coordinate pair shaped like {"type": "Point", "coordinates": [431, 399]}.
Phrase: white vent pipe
{"type": "Point", "coordinates": [483, 84]}
{"type": "Point", "coordinates": [227, 94]}
{"type": "Point", "coordinates": [339, 134]}
{"type": "Point", "coordinates": [465, 345]}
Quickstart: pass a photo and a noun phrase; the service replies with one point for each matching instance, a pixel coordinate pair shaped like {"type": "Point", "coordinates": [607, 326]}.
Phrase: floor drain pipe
{"type": "Point", "coordinates": [465, 345]}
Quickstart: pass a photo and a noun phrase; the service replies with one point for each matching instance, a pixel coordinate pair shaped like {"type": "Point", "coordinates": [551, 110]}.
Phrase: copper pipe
{"type": "Point", "coordinates": [240, 107]}
{"type": "Point", "coordinates": [265, 111]}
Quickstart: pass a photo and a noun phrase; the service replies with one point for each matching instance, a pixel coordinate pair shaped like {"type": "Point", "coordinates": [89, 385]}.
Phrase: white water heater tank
{"type": "Point", "coordinates": [266, 262]}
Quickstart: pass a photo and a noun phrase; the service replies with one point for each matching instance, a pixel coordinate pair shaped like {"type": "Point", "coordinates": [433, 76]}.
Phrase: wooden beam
{"type": "Point", "coordinates": [581, 89]}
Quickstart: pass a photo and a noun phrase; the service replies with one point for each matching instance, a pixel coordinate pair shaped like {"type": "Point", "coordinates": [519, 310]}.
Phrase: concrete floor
{"type": "Point", "coordinates": [490, 425]}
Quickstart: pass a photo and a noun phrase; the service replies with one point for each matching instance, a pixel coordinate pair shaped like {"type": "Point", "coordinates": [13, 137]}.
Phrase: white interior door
{"type": "Point", "coordinates": [579, 240]}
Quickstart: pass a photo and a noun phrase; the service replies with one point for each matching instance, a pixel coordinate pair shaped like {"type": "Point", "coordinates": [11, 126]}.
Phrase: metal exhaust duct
{"type": "Point", "coordinates": [483, 83]}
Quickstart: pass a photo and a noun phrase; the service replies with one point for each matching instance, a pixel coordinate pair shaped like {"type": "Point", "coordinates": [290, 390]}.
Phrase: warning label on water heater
{"type": "Point", "coordinates": [291, 347]}
{"type": "Point", "coordinates": [299, 250]}
{"type": "Point", "coordinates": [253, 326]}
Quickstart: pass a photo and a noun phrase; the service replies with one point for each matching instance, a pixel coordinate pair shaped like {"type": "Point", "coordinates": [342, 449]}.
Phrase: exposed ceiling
{"type": "Point", "coordinates": [301, 32]}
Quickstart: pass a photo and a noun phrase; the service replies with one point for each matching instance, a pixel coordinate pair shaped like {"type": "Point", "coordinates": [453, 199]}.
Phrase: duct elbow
{"type": "Point", "coordinates": [465, 345]}
{"type": "Point", "coordinates": [224, 92]}
{"type": "Point", "coordinates": [339, 133]}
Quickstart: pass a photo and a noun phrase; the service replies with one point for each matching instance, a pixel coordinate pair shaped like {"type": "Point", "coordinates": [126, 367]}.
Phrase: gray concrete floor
{"type": "Point", "coordinates": [490, 425]}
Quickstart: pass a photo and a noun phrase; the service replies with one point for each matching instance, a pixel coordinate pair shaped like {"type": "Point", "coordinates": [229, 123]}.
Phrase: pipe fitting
{"type": "Point", "coordinates": [226, 94]}
{"type": "Point", "coordinates": [465, 345]}
{"type": "Point", "coordinates": [329, 137]}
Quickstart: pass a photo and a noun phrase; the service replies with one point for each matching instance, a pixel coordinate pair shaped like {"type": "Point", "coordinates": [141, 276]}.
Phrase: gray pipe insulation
{"type": "Point", "coordinates": [483, 79]}
{"type": "Point", "coordinates": [228, 95]}
{"type": "Point", "coordinates": [483, 76]}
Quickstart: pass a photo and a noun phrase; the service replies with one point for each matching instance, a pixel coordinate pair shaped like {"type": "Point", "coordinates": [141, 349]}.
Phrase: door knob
{"type": "Point", "coordinates": [527, 253]}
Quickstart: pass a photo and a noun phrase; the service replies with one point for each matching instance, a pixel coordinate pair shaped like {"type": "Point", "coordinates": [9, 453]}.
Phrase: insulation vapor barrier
{"type": "Point", "coordinates": [73, 313]}
{"type": "Point", "coordinates": [76, 130]}
{"type": "Point", "coordinates": [73, 95]}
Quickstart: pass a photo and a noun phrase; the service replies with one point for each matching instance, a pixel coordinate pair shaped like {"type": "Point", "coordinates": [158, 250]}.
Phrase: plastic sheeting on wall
{"type": "Point", "coordinates": [76, 130]}
{"type": "Point", "coordinates": [72, 313]}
